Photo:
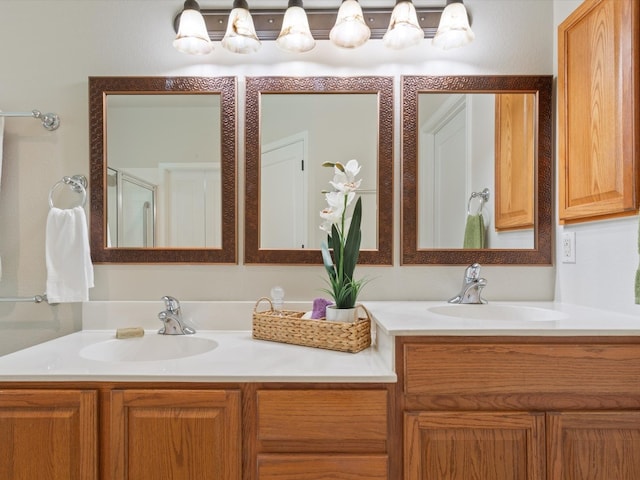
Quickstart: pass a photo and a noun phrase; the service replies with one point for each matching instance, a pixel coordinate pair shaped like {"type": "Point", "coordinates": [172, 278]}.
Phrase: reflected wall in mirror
{"type": "Point", "coordinates": [163, 163]}
{"type": "Point", "coordinates": [477, 170]}
{"type": "Point", "coordinates": [294, 125]}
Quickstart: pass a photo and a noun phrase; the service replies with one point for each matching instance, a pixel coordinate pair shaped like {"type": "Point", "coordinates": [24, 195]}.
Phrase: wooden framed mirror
{"type": "Point", "coordinates": [293, 125]}
{"type": "Point", "coordinates": [477, 170]}
{"type": "Point", "coordinates": [163, 169]}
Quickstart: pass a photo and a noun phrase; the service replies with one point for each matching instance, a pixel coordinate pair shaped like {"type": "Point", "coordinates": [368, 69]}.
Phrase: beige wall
{"type": "Point", "coordinates": [50, 47]}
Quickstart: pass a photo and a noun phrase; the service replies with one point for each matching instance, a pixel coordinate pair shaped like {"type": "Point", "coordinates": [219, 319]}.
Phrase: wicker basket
{"type": "Point", "coordinates": [288, 326]}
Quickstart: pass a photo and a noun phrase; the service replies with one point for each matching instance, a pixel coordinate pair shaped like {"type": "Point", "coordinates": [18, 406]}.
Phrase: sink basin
{"type": "Point", "coordinates": [511, 313]}
{"type": "Point", "coordinates": [152, 347]}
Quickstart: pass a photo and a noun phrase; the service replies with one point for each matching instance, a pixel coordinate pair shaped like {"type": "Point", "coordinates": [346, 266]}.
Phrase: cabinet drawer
{"type": "Point", "coordinates": [320, 467]}
{"type": "Point", "coordinates": [522, 368]}
{"type": "Point", "coordinates": [322, 420]}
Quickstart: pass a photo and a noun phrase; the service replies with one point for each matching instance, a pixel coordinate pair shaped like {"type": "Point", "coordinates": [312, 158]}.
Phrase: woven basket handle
{"type": "Point", "coordinates": [359, 306]}
{"type": "Point", "coordinates": [261, 299]}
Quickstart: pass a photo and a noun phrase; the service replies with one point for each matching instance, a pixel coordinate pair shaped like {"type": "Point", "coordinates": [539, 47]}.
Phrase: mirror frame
{"type": "Point", "coordinates": [99, 88]}
{"type": "Point", "coordinates": [541, 86]}
{"type": "Point", "coordinates": [257, 86]}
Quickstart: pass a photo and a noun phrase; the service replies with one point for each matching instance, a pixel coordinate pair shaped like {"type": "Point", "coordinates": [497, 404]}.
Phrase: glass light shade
{"type": "Point", "coordinates": [350, 29]}
{"type": "Point", "coordinates": [241, 36]}
{"type": "Point", "coordinates": [295, 35]}
{"type": "Point", "coordinates": [192, 37]}
{"type": "Point", "coordinates": [454, 30]}
{"type": "Point", "coordinates": [404, 29]}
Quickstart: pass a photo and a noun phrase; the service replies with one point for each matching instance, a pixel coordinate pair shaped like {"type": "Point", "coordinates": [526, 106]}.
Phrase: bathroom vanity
{"type": "Point", "coordinates": [552, 391]}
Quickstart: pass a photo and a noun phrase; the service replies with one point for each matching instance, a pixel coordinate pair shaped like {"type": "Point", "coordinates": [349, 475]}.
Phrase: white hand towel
{"type": "Point", "coordinates": [68, 258]}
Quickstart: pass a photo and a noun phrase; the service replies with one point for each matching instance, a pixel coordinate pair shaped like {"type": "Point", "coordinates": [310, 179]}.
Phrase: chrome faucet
{"type": "Point", "coordinates": [472, 285]}
{"type": "Point", "coordinates": [172, 318]}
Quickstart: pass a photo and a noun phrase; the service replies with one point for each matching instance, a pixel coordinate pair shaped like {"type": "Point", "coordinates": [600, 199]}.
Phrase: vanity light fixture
{"type": "Point", "coordinates": [404, 30]}
{"type": "Point", "coordinates": [402, 26]}
{"type": "Point", "coordinates": [454, 30]}
{"type": "Point", "coordinates": [241, 36]}
{"type": "Point", "coordinates": [295, 35]}
{"type": "Point", "coordinates": [350, 29]}
{"type": "Point", "coordinates": [192, 36]}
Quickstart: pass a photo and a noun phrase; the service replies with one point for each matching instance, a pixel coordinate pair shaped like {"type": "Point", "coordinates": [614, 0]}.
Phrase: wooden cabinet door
{"type": "Point", "coordinates": [474, 446]}
{"type": "Point", "coordinates": [594, 445]}
{"type": "Point", "coordinates": [175, 435]}
{"type": "Point", "coordinates": [599, 114]}
{"type": "Point", "coordinates": [48, 434]}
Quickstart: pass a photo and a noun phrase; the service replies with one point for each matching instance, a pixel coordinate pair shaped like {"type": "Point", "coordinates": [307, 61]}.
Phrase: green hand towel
{"type": "Point", "coordinates": [474, 232]}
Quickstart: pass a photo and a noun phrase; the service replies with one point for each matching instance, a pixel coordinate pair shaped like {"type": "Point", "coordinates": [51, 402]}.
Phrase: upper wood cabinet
{"type": "Point", "coordinates": [599, 111]}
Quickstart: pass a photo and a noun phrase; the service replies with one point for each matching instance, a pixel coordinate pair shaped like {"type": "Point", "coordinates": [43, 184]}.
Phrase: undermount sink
{"type": "Point", "coordinates": [511, 313]}
{"type": "Point", "coordinates": [152, 347]}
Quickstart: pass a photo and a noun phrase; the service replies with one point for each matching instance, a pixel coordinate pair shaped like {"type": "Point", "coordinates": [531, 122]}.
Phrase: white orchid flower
{"type": "Point", "coordinates": [333, 212]}
{"type": "Point", "coordinates": [345, 187]}
{"type": "Point", "coordinates": [335, 200]}
{"type": "Point", "coordinates": [346, 173]}
{"type": "Point", "coordinates": [351, 169]}
{"type": "Point", "coordinates": [329, 217]}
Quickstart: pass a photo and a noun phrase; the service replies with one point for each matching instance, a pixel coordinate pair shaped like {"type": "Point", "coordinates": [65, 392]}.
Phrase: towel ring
{"type": "Point", "coordinates": [77, 183]}
{"type": "Point", "coordinates": [483, 196]}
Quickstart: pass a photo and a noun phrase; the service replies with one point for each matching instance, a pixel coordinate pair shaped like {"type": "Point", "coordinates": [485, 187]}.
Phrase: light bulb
{"type": "Point", "coordinates": [350, 30]}
{"type": "Point", "coordinates": [192, 37]}
{"type": "Point", "coordinates": [404, 29]}
{"type": "Point", "coordinates": [454, 30]}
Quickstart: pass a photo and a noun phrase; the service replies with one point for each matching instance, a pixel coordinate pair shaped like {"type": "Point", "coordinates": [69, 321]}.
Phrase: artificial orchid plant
{"type": "Point", "coordinates": [344, 234]}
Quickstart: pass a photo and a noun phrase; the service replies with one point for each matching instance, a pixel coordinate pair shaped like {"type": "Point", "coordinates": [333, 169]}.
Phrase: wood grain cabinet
{"type": "Point", "coordinates": [474, 445]}
{"type": "Point", "coordinates": [175, 435]}
{"type": "Point", "coordinates": [48, 434]}
{"type": "Point", "coordinates": [594, 445]}
{"type": "Point", "coordinates": [520, 408]}
{"type": "Point", "coordinates": [322, 434]}
{"type": "Point", "coordinates": [599, 111]}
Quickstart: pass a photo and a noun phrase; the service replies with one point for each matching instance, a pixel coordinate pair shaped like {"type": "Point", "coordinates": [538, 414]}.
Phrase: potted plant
{"type": "Point", "coordinates": [343, 240]}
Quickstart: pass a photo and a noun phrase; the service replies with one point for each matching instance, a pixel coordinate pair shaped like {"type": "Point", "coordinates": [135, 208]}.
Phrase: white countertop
{"type": "Point", "coordinates": [237, 358]}
{"type": "Point", "coordinates": [415, 318]}
{"type": "Point", "coordinates": [240, 358]}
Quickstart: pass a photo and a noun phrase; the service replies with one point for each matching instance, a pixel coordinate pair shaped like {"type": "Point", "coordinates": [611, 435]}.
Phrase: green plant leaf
{"type": "Point", "coordinates": [327, 260]}
{"type": "Point", "coordinates": [334, 244]}
{"type": "Point", "coordinates": [352, 244]}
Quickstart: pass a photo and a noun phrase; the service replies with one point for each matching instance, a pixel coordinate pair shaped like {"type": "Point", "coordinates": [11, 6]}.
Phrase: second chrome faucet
{"type": "Point", "coordinates": [472, 285]}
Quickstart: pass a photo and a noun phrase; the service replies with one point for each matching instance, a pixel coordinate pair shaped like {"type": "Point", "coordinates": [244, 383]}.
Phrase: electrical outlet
{"type": "Point", "coordinates": [569, 247]}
